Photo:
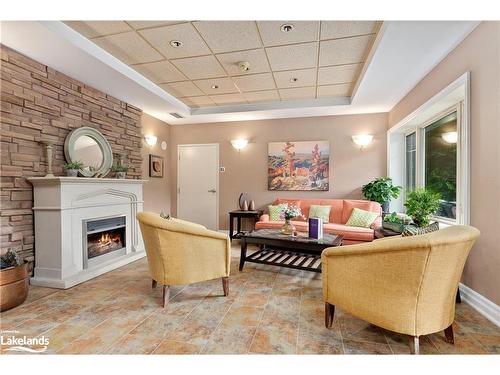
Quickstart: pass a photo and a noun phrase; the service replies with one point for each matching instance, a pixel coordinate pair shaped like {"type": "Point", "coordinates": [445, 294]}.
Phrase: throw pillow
{"type": "Point", "coordinates": [320, 212]}
{"type": "Point", "coordinates": [361, 218]}
{"type": "Point", "coordinates": [275, 211]}
{"type": "Point", "coordinates": [411, 230]}
{"type": "Point", "coordinates": [163, 215]}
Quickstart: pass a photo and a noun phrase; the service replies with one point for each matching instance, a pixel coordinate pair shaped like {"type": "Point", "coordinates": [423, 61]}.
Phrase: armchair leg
{"type": "Point", "coordinates": [153, 283]}
{"type": "Point", "coordinates": [225, 285]}
{"type": "Point", "coordinates": [166, 295]}
{"type": "Point", "coordinates": [415, 345]}
{"type": "Point", "coordinates": [448, 333]}
{"type": "Point", "coordinates": [329, 314]}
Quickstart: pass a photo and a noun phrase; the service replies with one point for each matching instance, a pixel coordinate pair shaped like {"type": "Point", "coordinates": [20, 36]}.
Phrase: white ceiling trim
{"type": "Point", "coordinates": [386, 78]}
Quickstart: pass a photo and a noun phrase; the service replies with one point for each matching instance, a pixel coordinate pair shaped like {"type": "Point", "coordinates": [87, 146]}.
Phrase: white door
{"type": "Point", "coordinates": [198, 183]}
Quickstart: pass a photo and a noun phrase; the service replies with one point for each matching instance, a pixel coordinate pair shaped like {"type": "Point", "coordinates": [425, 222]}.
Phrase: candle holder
{"type": "Point", "coordinates": [49, 147]}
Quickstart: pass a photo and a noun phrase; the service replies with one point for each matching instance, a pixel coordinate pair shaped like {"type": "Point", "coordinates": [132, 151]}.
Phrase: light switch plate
{"type": "Point", "coordinates": [222, 169]}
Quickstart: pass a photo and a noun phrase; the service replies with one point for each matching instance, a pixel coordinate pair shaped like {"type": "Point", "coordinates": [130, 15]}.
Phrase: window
{"type": "Point", "coordinates": [430, 148]}
{"type": "Point", "coordinates": [440, 162]}
{"type": "Point", "coordinates": [411, 161]}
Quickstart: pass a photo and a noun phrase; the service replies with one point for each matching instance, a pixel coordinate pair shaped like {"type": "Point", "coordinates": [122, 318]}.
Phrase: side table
{"type": "Point", "coordinates": [239, 214]}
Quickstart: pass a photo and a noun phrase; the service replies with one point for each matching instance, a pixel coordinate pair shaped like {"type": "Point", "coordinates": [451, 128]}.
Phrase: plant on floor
{"type": "Point", "coordinates": [10, 259]}
{"type": "Point", "coordinates": [381, 190]}
{"type": "Point", "coordinates": [421, 204]}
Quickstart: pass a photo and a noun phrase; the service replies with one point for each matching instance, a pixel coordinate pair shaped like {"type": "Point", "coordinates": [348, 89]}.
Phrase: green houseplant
{"type": "Point", "coordinates": [120, 170]}
{"type": "Point", "coordinates": [396, 222]}
{"type": "Point", "coordinates": [421, 204]}
{"type": "Point", "coordinates": [381, 190]}
{"type": "Point", "coordinates": [72, 168]}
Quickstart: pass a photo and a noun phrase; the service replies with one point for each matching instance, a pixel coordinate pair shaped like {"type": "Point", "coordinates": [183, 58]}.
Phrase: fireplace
{"type": "Point", "coordinates": [103, 239]}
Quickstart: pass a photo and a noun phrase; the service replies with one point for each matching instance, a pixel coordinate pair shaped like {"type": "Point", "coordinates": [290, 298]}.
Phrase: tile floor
{"type": "Point", "coordinates": [269, 310]}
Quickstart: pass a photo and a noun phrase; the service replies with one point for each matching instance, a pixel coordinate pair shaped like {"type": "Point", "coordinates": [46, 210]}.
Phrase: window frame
{"type": "Point", "coordinates": [403, 127]}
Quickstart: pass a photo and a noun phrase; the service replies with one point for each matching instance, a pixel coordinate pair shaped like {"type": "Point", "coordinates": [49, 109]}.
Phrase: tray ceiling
{"type": "Point", "coordinates": [314, 60]}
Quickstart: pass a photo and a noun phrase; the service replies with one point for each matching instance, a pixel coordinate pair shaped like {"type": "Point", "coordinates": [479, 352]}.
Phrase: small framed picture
{"type": "Point", "coordinates": [155, 166]}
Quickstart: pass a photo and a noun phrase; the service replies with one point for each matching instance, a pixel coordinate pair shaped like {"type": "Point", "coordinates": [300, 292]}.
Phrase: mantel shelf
{"type": "Point", "coordinates": [59, 180]}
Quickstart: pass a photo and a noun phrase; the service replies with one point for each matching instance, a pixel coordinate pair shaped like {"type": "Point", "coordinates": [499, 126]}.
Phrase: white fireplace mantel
{"type": "Point", "coordinates": [61, 206]}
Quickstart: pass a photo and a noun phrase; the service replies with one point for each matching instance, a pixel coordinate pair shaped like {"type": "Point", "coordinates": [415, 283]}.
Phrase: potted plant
{"type": "Point", "coordinates": [421, 204]}
{"type": "Point", "coordinates": [381, 190]}
{"type": "Point", "coordinates": [72, 168]}
{"type": "Point", "coordinates": [120, 170]}
{"type": "Point", "coordinates": [13, 280]}
{"type": "Point", "coordinates": [288, 213]}
{"type": "Point", "coordinates": [396, 222]}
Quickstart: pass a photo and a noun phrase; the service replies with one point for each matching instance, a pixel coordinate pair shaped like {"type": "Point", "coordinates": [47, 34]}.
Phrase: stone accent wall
{"type": "Point", "coordinates": [40, 103]}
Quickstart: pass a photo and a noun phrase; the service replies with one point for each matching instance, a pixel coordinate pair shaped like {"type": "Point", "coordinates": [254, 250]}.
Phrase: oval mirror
{"type": "Point", "coordinates": [88, 146]}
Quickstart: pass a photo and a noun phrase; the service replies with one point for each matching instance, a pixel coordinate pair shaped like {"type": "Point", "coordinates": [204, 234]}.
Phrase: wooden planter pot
{"type": "Point", "coordinates": [13, 286]}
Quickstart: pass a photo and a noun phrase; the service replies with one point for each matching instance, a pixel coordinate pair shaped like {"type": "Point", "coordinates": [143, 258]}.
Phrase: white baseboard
{"type": "Point", "coordinates": [484, 306]}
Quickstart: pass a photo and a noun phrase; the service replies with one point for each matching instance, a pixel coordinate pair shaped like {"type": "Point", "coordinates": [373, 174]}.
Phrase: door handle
{"type": "Point", "coordinates": [212, 191]}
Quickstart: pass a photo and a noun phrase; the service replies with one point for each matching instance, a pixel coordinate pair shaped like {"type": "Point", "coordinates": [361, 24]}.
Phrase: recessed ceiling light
{"type": "Point", "coordinates": [175, 43]}
{"type": "Point", "coordinates": [215, 87]}
{"type": "Point", "coordinates": [294, 79]}
{"type": "Point", "coordinates": [286, 28]}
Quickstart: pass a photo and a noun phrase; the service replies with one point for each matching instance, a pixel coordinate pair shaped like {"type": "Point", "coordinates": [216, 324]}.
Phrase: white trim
{"type": "Point", "coordinates": [481, 304]}
{"type": "Point", "coordinates": [463, 151]}
{"type": "Point", "coordinates": [217, 179]}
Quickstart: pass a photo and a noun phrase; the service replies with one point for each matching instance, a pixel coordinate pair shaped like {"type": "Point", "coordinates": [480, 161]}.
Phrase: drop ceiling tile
{"type": "Point", "coordinates": [200, 67]}
{"type": "Point", "coordinates": [339, 74]}
{"type": "Point", "coordinates": [145, 24]}
{"type": "Point", "coordinates": [261, 96]}
{"type": "Point", "coordinates": [227, 36]}
{"type": "Point", "coordinates": [199, 101]}
{"type": "Point", "coordinates": [343, 89]}
{"type": "Point", "coordinates": [256, 57]}
{"type": "Point", "coordinates": [92, 29]}
{"type": "Point", "coordinates": [160, 72]}
{"type": "Point", "coordinates": [298, 56]}
{"type": "Point", "coordinates": [305, 77]}
{"type": "Point", "coordinates": [298, 93]}
{"type": "Point", "coordinates": [344, 51]}
{"type": "Point", "coordinates": [255, 82]}
{"type": "Point", "coordinates": [225, 86]}
{"type": "Point", "coordinates": [342, 29]}
{"type": "Point", "coordinates": [182, 89]}
{"type": "Point", "coordinates": [228, 99]}
{"type": "Point", "coordinates": [128, 47]}
{"type": "Point", "coordinates": [303, 31]}
{"type": "Point", "coordinates": [192, 43]}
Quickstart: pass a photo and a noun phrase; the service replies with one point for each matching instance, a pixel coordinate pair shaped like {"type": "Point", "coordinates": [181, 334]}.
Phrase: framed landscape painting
{"type": "Point", "coordinates": [299, 165]}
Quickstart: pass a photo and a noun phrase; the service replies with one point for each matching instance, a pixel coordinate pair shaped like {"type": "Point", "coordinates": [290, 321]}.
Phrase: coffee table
{"type": "Point", "coordinates": [298, 252]}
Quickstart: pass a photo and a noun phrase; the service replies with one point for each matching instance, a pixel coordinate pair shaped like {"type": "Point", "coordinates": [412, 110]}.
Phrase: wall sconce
{"type": "Point", "coordinates": [150, 140]}
{"type": "Point", "coordinates": [239, 144]}
{"type": "Point", "coordinates": [450, 137]}
{"type": "Point", "coordinates": [362, 139]}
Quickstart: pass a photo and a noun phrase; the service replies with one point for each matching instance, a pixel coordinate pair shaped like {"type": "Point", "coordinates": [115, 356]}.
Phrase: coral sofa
{"type": "Point", "coordinates": [340, 212]}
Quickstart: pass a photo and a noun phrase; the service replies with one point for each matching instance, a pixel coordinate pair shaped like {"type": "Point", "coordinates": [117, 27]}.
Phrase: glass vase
{"type": "Point", "coordinates": [288, 227]}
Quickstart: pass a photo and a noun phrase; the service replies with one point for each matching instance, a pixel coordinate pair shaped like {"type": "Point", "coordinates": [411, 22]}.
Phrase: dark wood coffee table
{"type": "Point", "coordinates": [298, 252]}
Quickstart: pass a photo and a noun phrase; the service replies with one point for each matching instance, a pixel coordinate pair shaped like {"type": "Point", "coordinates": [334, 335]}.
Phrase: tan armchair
{"type": "Point", "coordinates": [180, 252]}
{"type": "Point", "coordinates": [403, 284]}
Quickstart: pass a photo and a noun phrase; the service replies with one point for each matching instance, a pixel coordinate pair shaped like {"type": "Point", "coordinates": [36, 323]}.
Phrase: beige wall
{"type": "Point", "coordinates": [156, 191]}
{"type": "Point", "coordinates": [246, 171]}
{"type": "Point", "coordinates": [479, 53]}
